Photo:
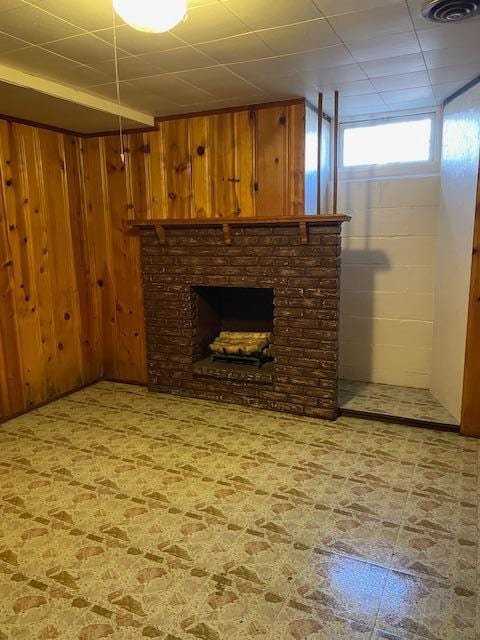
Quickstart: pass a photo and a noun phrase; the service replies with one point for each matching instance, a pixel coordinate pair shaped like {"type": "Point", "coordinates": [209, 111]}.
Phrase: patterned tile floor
{"type": "Point", "coordinates": [133, 515]}
{"type": "Point", "coordinates": [386, 399]}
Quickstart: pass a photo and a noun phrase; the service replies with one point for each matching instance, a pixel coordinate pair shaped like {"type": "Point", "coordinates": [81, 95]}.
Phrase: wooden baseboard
{"type": "Point", "coordinates": [121, 381]}
{"type": "Point", "coordinates": [17, 414]}
{"type": "Point", "coordinates": [410, 422]}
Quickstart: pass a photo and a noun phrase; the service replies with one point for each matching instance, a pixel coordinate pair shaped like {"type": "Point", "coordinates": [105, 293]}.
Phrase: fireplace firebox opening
{"type": "Point", "coordinates": [232, 327]}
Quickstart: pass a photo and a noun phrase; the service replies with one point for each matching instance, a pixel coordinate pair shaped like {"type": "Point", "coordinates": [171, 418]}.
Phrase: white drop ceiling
{"type": "Point", "coordinates": [380, 54]}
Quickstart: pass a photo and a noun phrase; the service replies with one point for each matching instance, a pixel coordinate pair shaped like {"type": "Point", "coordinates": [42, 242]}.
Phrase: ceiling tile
{"type": "Point", "coordinates": [300, 37]}
{"type": "Point", "coordinates": [357, 88]}
{"type": "Point", "coordinates": [466, 34]}
{"type": "Point", "coordinates": [396, 44]}
{"type": "Point", "coordinates": [295, 51]}
{"type": "Point", "coordinates": [372, 23]}
{"type": "Point", "coordinates": [108, 91]}
{"type": "Point", "coordinates": [83, 76]}
{"type": "Point", "coordinates": [334, 77]}
{"type": "Point", "coordinates": [35, 26]}
{"type": "Point", "coordinates": [136, 42]}
{"type": "Point", "coordinates": [85, 48]}
{"type": "Point", "coordinates": [174, 60]}
{"type": "Point", "coordinates": [289, 85]}
{"type": "Point", "coordinates": [394, 66]}
{"type": "Point", "coordinates": [219, 81]}
{"type": "Point", "coordinates": [86, 14]}
{"type": "Point", "coordinates": [258, 14]}
{"type": "Point", "coordinates": [445, 90]}
{"type": "Point", "coordinates": [448, 57]}
{"type": "Point", "coordinates": [171, 87]}
{"type": "Point", "coordinates": [353, 105]}
{"type": "Point", "coordinates": [37, 61]}
{"type": "Point", "coordinates": [237, 49]}
{"type": "Point", "coordinates": [9, 43]}
{"type": "Point", "coordinates": [458, 73]}
{"type": "Point", "coordinates": [402, 81]}
{"type": "Point", "coordinates": [373, 100]}
{"type": "Point", "coordinates": [231, 102]}
{"type": "Point", "coordinates": [209, 22]}
{"type": "Point", "coordinates": [406, 96]}
{"type": "Point", "coordinates": [130, 67]}
{"type": "Point", "coordinates": [335, 56]}
{"type": "Point", "coordinates": [335, 7]}
{"type": "Point", "coordinates": [131, 96]}
{"type": "Point", "coordinates": [267, 68]}
{"type": "Point", "coordinates": [10, 4]}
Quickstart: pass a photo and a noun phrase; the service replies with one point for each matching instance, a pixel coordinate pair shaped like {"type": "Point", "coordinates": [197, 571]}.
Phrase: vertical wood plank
{"type": "Point", "coordinates": [157, 175]}
{"type": "Point", "coordinates": [335, 153]}
{"type": "Point", "coordinates": [176, 140]}
{"type": "Point", "coordinates": [244, 122]}
{"type": "Point", "coordinates": [137, 196]}
{"type": "Point", "coordinates": [319, 153]}
{"type": "Point", "coordinates": [296, 160]}
{"type": "Point", "coordinates": [138, 158]}
{"type": "Point", "coordinates": [271, 162]}
{"type": "Point", "coordinates": [221, 133]}
{"type": "Point", "coordinates": [68, 361]}
{"type": "Point", "coordinates": [39, 247]}
{"type": "Point", "coordinates": [83, 261]}
{"type": "Point", "coordinates": [201, 159]}
{"type": "Point", "coordinates": [130, 357]}
{"type": "Point", "coordinates": [470, 419]}
{"type": "Point", "coordinates": [12, 393]}
{"type": "Point", "coordinates": [97, 208]}
{"type": "Point", "coordinates": [26, 241]}
{"type": "Point", "coordinates": [20, 241]}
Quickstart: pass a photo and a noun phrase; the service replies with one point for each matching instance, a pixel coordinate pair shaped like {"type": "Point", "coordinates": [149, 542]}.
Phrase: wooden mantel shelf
{"type": "Point", "coordinates": [238, 222]}
{"type": "Point", "coordinates": [303, 222]}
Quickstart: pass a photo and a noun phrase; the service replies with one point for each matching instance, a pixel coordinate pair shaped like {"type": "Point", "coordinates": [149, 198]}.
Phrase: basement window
{"type": "Point", "coordinates": [390, 141]}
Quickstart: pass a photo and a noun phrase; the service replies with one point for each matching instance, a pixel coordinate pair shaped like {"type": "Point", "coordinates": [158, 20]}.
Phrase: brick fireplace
{"type": "Point", "coordinates": [204, 276]}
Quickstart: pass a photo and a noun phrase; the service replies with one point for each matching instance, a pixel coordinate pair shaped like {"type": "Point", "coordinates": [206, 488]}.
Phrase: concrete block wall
{"type": "Point", "coordinates": [388, 279]}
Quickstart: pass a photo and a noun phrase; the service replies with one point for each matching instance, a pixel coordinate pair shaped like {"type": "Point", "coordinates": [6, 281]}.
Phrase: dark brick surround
{"type": "Point", "coordinates": [305, 279]}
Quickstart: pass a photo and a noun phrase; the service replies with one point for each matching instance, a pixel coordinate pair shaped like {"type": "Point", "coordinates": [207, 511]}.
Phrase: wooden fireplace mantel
{"type": "Point", "coordinates": [238, 222]}
{"type": "Point", "coordinates": [303, 222]}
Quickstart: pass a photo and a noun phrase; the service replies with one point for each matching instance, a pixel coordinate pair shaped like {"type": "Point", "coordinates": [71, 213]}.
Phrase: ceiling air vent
{"type": "Point", "coordinates": [450, 10]}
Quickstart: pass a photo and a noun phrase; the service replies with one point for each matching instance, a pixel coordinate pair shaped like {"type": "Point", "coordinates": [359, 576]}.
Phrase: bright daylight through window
{"type": "Point", "coordinates": [397, 141]}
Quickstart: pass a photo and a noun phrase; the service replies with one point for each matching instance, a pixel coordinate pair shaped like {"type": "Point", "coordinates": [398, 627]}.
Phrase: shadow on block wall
{"type": "Point", "coordinates": [357, 311]}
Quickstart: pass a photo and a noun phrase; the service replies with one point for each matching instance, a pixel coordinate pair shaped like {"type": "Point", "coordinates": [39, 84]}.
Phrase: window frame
{"type": "Point", "coordinates": [431, 165]}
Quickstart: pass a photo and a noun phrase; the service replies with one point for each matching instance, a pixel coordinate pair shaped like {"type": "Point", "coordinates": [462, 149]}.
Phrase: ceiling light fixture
{"type": "Point", "coordinates": [151, 16]}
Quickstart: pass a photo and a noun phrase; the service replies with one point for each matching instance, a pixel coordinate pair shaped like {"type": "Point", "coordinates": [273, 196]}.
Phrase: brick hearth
{"type": "Point", "coordinates": [303, 270]}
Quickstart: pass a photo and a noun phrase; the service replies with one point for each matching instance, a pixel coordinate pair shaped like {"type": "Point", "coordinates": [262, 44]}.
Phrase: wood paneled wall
{"type": "Point", "coordinates": [48, 316]}
{"type": "Point", "coordinates": [247, 163]}
{"type": "Point", "coordinates": [70, 282]}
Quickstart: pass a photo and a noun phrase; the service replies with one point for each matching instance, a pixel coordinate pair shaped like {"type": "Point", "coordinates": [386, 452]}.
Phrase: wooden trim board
{"type": "Point", "coordinates": [38, 405]}
{"type": "Point", "coordinates": [411, 422]}
{"type": "Point", "coordinates": [322, 220]}
{"type": "Point", "coordinates": [470, 418]}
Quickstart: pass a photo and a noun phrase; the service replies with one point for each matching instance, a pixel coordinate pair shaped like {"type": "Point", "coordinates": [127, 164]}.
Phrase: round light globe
{"type": "Point", "coordinates": [151, 16]}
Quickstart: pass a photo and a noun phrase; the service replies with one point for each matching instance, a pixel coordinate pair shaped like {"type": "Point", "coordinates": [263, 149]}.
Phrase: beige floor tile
{"type": "Point", "coordinates": [125, 514]}
{"type": "Point", "coordinates": [350, 588]}
{"type": "Point", "coordinates": [414, 606]}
